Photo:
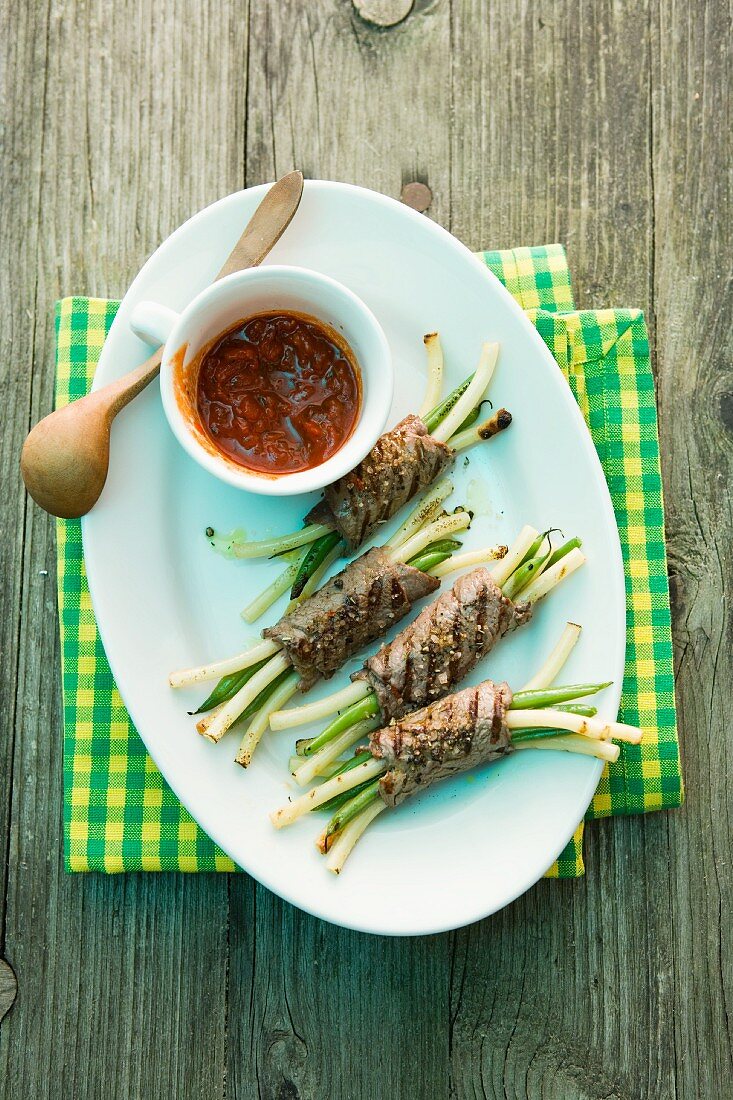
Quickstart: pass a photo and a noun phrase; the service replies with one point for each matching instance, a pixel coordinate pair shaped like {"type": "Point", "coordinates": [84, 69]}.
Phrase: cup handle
{"type": "Point", "coordinates": [152, 322]}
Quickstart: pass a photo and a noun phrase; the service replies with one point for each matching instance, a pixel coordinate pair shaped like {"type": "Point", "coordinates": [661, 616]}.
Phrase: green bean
{"type": "Point", "coordinates": [561, 551]}
{"type": "Point", "coordinates": [476, 413]}
{"type": "Point", "coordinates": [353, 762]}
{"type": "Point", "coordinates": [261, 699]}
{"type": "Point", "coordinates": [522, 575]}
{"type": "Point", "coordinates": [426, 561]}
{"type": "Point", "coordinates": [535, 734]}
{"type": "Point", "coordinates": [313, 557]}
{"type": "Point", "coordinates": [439, 413]}
{"type": "Point", "coordinates": [365, 708]}
{"type": "Point", "coordinates": [442, 546]}
{"type": "Point", "coordinates": [547, 697]}
{"type": "Point", "coordinates": [228, 686]}
{"type": "Point", "coordinates": [360, 757]}
{"type": "Point", "coordinates": [354, 805]}
{"type": "Point", "coordinates": [532, 552]}
{"type": "Point", "coordinates": [470, 419]}
{"type": "Point", "coordinates": [339, 800]}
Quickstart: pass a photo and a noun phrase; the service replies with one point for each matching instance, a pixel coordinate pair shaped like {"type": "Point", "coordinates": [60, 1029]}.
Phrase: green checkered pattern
{"type": "Point", "coordinates": [119, 814]}
{"type": "Point", "coordinates": [604, 355]}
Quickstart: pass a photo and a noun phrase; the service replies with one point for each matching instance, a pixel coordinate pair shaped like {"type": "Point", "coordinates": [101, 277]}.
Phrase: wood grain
{"type": "Point", "coordinates": [693, 295]}
{"type": "Point", "coordinates": [602, 123]}
{"type": "Point", "coordinates": [559, 150]}
{"type": "Point", "coordinates": [121, 979]}
{"type": "Point", "coordinates": [313, 70]}
{"type": "Point", "coordinates": [8, 988]}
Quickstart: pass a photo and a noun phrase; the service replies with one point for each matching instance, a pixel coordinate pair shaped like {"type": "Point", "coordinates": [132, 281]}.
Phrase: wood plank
{"type": "Point", "coordinates": [318, 1011]}
{"type": "Point", "coordinates": [693, 187]}
{"type": "Point", "coordinates": [618, 986]}
{"type": "Point", "coordinates": [568, 992]}
{"type": "Point", "coordinates": [331, 1012]}
{"type": "Point", "coordinates": [21, 149]}
{"type": "Point", "coordinates": [551, 136]}
{"type": "Point", "coordinates": [122, 981]}
{"type": "Point", "coordinates": [8, 988]}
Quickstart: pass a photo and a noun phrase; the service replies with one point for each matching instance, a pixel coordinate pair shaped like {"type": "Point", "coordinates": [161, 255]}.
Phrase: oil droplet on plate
{"type": "Point", "coordinates": [478, 500]}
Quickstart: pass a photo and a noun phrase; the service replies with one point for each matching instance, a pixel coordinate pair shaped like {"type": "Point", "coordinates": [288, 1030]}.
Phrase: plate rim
{"type": "Point", "coordinates": [105, 373]}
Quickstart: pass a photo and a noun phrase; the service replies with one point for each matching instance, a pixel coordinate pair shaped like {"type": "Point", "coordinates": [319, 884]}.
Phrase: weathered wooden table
{"type": "Point", "coordinates": [605, 125]}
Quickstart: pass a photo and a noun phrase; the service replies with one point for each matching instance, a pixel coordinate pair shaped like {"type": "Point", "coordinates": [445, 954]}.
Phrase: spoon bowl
{"type": "Point", "coordinates": [65, 457]}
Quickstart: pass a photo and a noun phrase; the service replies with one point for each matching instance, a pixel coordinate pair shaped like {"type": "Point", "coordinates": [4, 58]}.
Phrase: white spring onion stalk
{"type": "Point", "coordinates": [434, 387]}
{"type": "Point", "coordinates": [217, 669]}
{"type": "Point", "coordinates": [546, 581]}
{"type": "Point", "coordinates": [468, 401]}
{"type": "Point", "coordinates": [501, 572]}
{"type": "Point", "coordinates": [327, 771]}
{"type": "Point", "coordinates": [596, 728]}
{"type": "Point", "coordinates": [214, 730]}
{"type": "Point", "coordinates": [426, 510]}
{"type": "Point", "coordinates": [547, 674]}
{"type": "Point", "coordinates": [323, 840]}
{"type": "Point", "coordinates": [261, 720]}
{"type": "Point", "coordinates": [478, 433]}
{"type": "Point", "coordinates": [620, 731]}
{"type": "Point", "coordinates": [440, 529]}
{"type": "Point", "coordinates": [318, 795]}
{"type": "Point", "coordinates": [347, 838]}
{"type": "Point", "coordinates": [465, 439]}
{"type": "Point", "coordinates": [603, 750]}
{"type": "Point", "coordinates": [321, 708]}
{"type": "Point", "coordinates": [203, 723]}
{"type": "Point", "coordinates": [280, 544]}
{"type": "Point", "coordinates": [260, 604]}
{"type": "Point", "coordinates": [467, 560]}
{"type": "Point", "coordinates": [312, 766]}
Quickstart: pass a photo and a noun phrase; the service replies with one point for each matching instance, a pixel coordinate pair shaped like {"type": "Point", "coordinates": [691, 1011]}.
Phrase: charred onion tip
{"type": "Point", "coordinates": [429, 336]}
{"type": "Point", "coordinates": [498, 423]}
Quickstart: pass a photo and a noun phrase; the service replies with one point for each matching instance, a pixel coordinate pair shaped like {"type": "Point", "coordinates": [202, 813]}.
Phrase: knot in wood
{"type": "Point", "coordinates": [8, 988]}
{"type": "Point", "coordinates": [417, 195]}
{"type": "Point", "coordinates": [383, 13]}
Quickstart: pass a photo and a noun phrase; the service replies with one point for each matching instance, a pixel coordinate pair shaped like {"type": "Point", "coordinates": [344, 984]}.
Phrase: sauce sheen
{"type": "Point", "coordinates": [279, 393]}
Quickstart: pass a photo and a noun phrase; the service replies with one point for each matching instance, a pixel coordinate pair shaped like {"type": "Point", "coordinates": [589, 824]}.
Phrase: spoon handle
{"type": "Point", "coordinates": [262, 232]}
{"type": "Point", "coordinates": [121, 392]}
{"type": "Point", "coordinates": [65, 456]}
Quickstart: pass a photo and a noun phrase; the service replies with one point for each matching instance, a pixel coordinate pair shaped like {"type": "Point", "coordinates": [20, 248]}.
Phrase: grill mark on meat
{"type": "Point", "coordinates": [452, 735]}
{"type": "Point", "coordinates": [457, 645]}
{"type": "Point", "coordinates": [356, 606]}
{"type": "Point", "coordinates": [442, 645]}
{"type": "Point", "coordinates": [402, 463]}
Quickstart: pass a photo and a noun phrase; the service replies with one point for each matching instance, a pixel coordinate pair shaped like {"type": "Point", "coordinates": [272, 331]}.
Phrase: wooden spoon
{"type": "Point", "coordinates": [65, 457]}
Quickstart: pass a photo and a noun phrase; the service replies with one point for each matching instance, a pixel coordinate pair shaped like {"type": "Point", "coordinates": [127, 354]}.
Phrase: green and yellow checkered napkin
{"type": "Point", "coordinates": [119, 814]}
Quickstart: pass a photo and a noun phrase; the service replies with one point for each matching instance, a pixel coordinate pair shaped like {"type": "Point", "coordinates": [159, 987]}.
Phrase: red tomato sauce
{"type": "Point", "coordinates": [279, 393]}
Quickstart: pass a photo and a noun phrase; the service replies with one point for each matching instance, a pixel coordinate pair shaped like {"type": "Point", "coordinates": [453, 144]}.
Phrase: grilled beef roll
{"type": "Point", "coordinates": [442, 645]}
{"type": "Point", "coordinates": [401, 463]}
{"type": "Point", "coordinates": [356, 606]}
{"type": "Point", "coordinates": [452, 735]}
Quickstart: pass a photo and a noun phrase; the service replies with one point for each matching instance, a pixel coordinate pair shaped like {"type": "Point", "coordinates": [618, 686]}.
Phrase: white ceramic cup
{"type": "Point", "coordinates": [238, 297]}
